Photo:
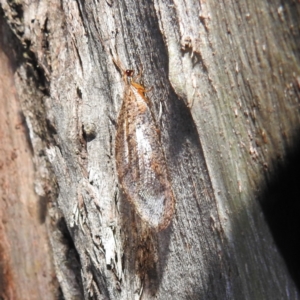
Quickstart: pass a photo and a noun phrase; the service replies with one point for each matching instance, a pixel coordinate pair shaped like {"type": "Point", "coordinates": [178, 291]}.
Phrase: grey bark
{"type": "Point", "coordinates": [225, 79]}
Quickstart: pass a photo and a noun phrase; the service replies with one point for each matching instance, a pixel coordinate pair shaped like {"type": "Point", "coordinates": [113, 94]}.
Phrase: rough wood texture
{"type": "Point", "coordinates": [26, 265]}
{"type": "Point", "coordinates": [225, 77]}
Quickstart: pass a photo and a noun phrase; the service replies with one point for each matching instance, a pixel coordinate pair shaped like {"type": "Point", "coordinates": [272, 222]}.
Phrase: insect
{"type": "Point", "coordinates": [140, 159]}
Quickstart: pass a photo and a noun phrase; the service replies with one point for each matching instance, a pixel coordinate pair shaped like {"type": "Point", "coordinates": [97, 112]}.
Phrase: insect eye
{"type": "Point", "coordinates": [129, 73]}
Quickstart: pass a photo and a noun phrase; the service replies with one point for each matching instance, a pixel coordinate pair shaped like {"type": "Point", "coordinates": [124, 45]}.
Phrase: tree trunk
{"type": "Point", "coordinates": [225, 85]}
{"type": "Point", "coordinates": [26, 264]}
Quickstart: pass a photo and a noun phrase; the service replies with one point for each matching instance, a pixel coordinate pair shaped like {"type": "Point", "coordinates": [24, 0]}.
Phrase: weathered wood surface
{"type": "Point", "coordinates": [225, 80]}
{"type": "Point", "coordinates": [26, 264]}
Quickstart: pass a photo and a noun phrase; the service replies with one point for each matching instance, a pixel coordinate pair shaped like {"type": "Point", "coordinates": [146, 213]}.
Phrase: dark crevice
{"type": "Point", "coordinates": [281, 207]}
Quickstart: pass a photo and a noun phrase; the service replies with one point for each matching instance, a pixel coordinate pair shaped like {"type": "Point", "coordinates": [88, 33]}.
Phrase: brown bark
{"type": "Point", "coordinates": [225, 80]}
{"type": "Point", "coordinates": [26, 269]}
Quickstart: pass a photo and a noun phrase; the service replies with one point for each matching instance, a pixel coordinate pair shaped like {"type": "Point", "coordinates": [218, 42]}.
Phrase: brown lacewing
{"type": "Point", "coordinates": [140, 160]}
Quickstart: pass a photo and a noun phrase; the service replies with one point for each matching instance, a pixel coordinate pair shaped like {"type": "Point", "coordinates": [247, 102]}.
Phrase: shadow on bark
{"type": "Point", "coordinates": [281, 206]}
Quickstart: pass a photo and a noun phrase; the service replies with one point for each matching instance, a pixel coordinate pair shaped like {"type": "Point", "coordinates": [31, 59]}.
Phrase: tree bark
{"type": "Point", "coordinates": [26, 264]}
{"type": "Point", "coordinates": [225, 85]}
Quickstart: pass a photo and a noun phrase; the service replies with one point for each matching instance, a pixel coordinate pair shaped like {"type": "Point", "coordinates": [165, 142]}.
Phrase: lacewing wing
{"type": "Point", "coordinates": [140, 159]}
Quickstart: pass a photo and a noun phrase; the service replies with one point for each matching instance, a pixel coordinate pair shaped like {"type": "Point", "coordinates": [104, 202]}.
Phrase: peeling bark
{"type": "Point", "coordinates": [26, 264]}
